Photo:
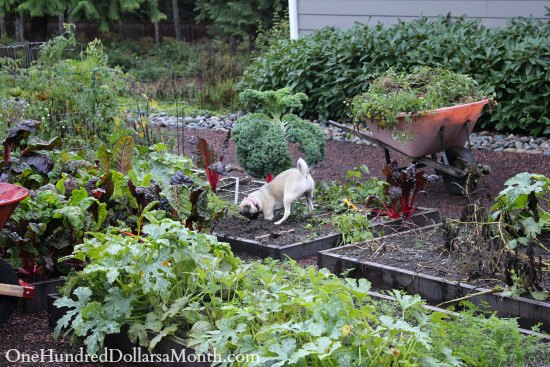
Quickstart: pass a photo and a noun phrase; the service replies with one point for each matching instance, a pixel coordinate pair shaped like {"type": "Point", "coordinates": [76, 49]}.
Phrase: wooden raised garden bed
{"type": "Point", "coordinates": [292, 238]}
{"type": "Point", "coordinates": [388, 266]}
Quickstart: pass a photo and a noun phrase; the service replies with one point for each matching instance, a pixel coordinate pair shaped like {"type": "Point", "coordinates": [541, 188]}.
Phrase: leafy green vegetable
{"type": "Point", "coordinates": [173, 280]}
{"type": "Point", "coordinates": [262, 139]}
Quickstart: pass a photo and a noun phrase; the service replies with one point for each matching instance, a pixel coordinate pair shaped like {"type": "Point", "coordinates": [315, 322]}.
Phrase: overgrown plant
{"type": "Point", "coordinates": [522, 218]}
{"type": "Point", "coordinates": [355, 188]}
{"type": "Point", "coordinates": [521, 210]}
{"type": "Point", "coordinates": [75, 99]}
{"type": "Point", "coordinates": [353, 225]}
{"type": "Point", "coordinates": [262, 139]}
{"type": "Point", "coordinates": [416, 93]}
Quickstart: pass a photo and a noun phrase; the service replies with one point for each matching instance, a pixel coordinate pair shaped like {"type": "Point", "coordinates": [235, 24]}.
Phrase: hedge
{"type": "Point", "coordinates": [331, 66]}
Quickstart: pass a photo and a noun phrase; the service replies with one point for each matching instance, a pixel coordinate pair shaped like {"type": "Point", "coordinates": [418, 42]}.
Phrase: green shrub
{"type": "Point", "coordinates": [145, 61]}
{"type": "Point", "coordinates": [332, 66]}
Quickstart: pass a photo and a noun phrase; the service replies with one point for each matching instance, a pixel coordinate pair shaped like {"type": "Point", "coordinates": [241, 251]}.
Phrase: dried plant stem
{"type": "Point", "coordinates": [488, 291]}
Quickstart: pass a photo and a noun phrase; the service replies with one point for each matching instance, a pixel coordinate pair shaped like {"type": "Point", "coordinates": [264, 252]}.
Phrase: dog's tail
{"type": "Point", "coordinates": [302, 167]}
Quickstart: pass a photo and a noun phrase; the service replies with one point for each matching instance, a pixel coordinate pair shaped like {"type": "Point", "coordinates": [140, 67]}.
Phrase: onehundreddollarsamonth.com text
{"type": "Point", "coordinates": [110, 355]}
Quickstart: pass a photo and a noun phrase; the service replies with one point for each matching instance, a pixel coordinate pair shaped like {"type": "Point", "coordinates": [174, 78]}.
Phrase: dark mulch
{"type": "Point", "coordinates": [31, 333]}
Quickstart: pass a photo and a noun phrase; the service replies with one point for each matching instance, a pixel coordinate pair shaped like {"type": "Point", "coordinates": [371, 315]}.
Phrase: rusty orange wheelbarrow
{"type": "Point", "coordinates": [10, 287]}
{"type": "Point", "coordinates": [442, 132]}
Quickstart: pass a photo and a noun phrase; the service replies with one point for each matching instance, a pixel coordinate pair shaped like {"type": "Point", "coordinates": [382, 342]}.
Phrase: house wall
{"type": "Point", "coordinates": [314, 14]}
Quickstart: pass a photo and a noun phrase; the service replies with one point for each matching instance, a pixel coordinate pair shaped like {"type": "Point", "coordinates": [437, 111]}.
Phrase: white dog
{"type": "Point", "coordinates": [281, 192]}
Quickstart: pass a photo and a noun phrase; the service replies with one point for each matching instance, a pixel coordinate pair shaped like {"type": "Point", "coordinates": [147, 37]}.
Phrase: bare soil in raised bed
{"type": "Point", "coordinates": [427, 251]}
{"type": "Point", "coordinates": [295, 229]}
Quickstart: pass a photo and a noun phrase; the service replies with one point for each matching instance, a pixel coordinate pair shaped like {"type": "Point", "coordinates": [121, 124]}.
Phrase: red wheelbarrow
{"type": "Point", "coordinates": [10, 288]}
{"type": "Point", "coordinates": [444, 131]}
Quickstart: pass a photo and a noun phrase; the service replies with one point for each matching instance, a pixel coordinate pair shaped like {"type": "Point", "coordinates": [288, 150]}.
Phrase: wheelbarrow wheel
{"type": "Point", "coordinates": [7, 303]}
{"type": "Point", "coordinates": [459, 157]}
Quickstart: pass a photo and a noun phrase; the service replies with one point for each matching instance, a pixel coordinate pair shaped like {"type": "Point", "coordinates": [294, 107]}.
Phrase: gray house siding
{"type": "Point", "coordinates": [315, 14]}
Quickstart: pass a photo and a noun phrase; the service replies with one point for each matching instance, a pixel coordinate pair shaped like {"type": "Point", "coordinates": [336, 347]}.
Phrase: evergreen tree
{"type": "Point", "coordinates": [237, 20]}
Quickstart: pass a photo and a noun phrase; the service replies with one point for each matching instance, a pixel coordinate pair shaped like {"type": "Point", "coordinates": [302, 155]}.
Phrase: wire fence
{"type": "Point", "coordinates": [28, 52]}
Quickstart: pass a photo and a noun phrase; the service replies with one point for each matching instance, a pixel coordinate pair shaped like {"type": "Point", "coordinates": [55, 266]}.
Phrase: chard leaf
{"type": "Point", "coordinates": [123, 154]}
{"type": "Point", "coordinates": [75, 216]}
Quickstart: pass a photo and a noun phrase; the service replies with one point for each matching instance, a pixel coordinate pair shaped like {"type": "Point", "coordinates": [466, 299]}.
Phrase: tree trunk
{"type": "Point", "coordinates": [233, 43]}
{"type": "Point", "coordinates": [157, 33]}
{"type": "Point", "coordinates": [39, 29]}
{"type": "Point", "coordinates": [3, 31]}
{"type": "Point", "coordinates": [19, 32]}
{"type": "Point", "coordinates": [176, 15]}
{"type": "Point", "coordinates": [61, 21]}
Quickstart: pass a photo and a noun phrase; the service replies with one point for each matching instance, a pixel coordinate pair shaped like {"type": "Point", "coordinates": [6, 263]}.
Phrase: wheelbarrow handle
{"type": "Point", "coordinates": [21, 291]}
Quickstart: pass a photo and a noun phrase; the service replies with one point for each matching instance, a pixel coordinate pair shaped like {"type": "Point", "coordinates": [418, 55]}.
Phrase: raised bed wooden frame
{"type": "Point", "coordinates": [300, 250]}
{"type": "Point", "coordinates": [435, 290]}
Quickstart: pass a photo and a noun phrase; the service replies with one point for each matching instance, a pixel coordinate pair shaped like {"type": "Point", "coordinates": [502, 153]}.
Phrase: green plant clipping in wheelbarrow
{"type": "Point", "coordinates": [415, 94]}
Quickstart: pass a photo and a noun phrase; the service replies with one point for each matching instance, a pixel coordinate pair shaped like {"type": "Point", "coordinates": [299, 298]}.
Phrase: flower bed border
{"type": "Point", "coordinates": [301, 250]}
{"type": "Point", "coordinates": [435, 290]}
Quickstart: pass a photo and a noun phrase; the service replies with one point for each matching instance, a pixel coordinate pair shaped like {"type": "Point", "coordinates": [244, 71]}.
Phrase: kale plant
{"type": "Point", "coordinates": [262, 138]}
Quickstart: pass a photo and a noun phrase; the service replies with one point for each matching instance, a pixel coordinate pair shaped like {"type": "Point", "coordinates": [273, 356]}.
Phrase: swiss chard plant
{"type": "Point", "coordinates": [26, 161]}
{"type": "Point", "coordinates": [206, 158]}
{"type": "Point", "coordinates": [403, 186]}
{"type": "Point", "coordinates": [45, 226]}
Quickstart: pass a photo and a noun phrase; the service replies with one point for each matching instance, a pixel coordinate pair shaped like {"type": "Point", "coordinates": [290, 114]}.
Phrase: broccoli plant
{"type": "Point", "coordinates": [262, 138]}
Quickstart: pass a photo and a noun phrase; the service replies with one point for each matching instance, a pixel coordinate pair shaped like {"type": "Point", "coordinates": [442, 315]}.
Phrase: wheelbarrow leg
{"type": "Point", "coordinates": [465, 128]}
{"type": "Point", "coordinates": [442, 145]}
{"type": "Point", "coordinates": [387, 155]}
